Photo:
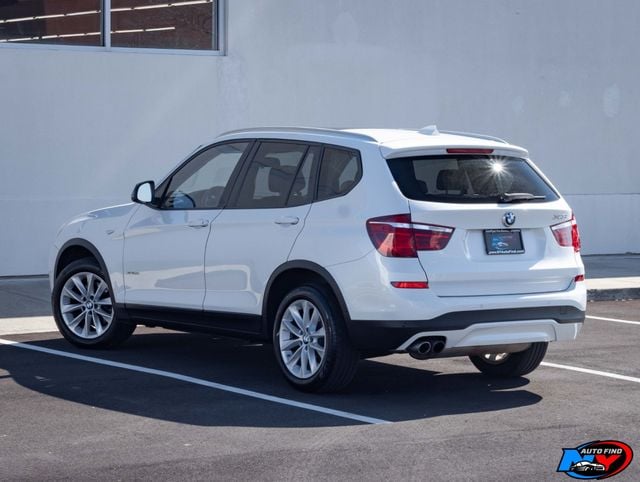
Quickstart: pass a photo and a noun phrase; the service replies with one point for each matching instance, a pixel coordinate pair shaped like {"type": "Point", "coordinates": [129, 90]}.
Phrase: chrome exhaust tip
{"type": "Point", "coordinates": [420, 349]}
{"type": "Point", "coordinates": [437, 347]}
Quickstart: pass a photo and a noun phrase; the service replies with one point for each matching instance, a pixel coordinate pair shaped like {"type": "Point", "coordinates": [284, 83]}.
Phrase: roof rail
{"type": "Point", "coordinates": [478, 136]}
{"type": "Point", "coordinates": [303, 130]}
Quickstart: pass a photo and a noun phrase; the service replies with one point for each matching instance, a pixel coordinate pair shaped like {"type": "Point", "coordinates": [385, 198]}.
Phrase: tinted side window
{"type": "Point", "coordinates": [340, 171]}
{"type": "Point", "coordinates": [200, 183]}
{"type": "Point", "coordinates": [305, 181]}
{"type": "Point", "coordinates": [270, 175]}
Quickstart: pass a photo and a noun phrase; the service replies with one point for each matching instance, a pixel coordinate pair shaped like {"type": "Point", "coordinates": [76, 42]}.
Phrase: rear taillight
{"type": "Point", "coordinates": [567, 234]}
{"type": "Point", "coordinates": [396, 236]}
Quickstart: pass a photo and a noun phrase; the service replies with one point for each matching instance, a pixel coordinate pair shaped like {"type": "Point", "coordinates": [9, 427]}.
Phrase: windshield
{"type": "Point", "coordinates": [470, 178]}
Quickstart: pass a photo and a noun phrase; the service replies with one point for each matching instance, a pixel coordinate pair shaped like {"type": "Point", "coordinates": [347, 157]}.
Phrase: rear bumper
{"type": "Point", "coordinates": [366, 287]}
{"type": "Point", "coordinates": [471, 328]}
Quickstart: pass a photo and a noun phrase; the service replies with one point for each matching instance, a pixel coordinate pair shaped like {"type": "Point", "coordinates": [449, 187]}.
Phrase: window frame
{"type": "Point", "coordinates": [315, 171]}
{"type": "Point", "coordinates": [158, 200]}
{"type": "Point", "coordinates": [219, 39]}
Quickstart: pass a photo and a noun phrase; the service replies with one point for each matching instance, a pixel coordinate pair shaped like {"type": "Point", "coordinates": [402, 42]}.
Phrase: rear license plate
{"type": "Point", "coordinates": [503, 241]}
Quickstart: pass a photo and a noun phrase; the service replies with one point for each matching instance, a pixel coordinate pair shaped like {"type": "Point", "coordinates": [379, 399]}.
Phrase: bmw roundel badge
{"type": "Point", "coordinates": [508, 219]}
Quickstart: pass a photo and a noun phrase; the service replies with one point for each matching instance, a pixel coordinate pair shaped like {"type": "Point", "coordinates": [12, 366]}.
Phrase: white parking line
{"type": "Point", "coordinates": [198, 381]}
{"type": "Point", "coordinates": [614, 319]}
{"type": "Point", "coordinates": [626, 378]}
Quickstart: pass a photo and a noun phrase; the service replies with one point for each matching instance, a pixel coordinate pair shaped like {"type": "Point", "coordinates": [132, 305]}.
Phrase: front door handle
{"type": "Point", "coordinates": [198, 223]}
{"type": "Point", "coordinates": [287, 220]}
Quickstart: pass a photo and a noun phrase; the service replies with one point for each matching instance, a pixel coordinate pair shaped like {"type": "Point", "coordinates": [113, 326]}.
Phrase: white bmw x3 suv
{"type": "Point", "coordinates": [335, 245]}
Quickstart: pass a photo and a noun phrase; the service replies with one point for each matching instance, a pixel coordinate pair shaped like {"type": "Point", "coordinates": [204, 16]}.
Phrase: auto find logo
{"type": "Point", "coordinates": [599, 459]}
{"type": "Point", "coordinates": [508, 219]}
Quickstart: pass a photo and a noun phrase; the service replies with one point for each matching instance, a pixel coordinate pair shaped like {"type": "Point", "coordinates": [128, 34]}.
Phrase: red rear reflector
{"type": "Point", "coordinates": [579, 277]}
{"type": "Point", "coordinates": [468, 150]}
{"type": "Point", "coordinates": [416, 285]}
{"type": "Point", "coordinates": [396, 236]}
{"type": "Point", "coordinates": [567, 234]}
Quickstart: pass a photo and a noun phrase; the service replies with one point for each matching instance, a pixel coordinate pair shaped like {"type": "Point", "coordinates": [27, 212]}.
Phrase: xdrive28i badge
{"type": "Point", "coordinates": [508, 219]}
{"type": "Point", "coordinates": [599, 459]}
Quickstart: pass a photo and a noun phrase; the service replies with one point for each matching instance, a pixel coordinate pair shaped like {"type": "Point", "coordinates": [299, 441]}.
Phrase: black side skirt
{"type": "Point", "coordinates": [182, 319]}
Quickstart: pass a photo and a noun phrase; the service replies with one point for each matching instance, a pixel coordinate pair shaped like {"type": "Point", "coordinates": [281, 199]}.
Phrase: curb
{"type": "Point", "coordinates": [615, 294]}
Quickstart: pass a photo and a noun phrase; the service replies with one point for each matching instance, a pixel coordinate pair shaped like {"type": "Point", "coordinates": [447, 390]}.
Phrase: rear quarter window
{"type": "Point", "coordinates": [340, 171]}
{"type": "Point", "coordinates": [468, 178]}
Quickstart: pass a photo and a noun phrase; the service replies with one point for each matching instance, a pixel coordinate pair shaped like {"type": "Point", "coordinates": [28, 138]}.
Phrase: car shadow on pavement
{"type": "Point", "coordinates": [385, 388]}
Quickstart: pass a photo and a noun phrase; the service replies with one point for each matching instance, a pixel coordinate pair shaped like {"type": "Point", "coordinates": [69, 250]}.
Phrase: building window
{"type": "Point", "coordinates": [184, 24]}
{"type": "Point", "coordinates": [158, 24]}
{"type": "Point", "coordinates": [71, 22]}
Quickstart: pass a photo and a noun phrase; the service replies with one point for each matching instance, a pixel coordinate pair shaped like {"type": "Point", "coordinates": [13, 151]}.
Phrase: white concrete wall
{"type": "Point", "coordinates": [79, 128]}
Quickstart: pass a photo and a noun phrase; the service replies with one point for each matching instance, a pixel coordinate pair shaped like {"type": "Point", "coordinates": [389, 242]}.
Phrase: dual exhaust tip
{"type": "Point", "coordinates": [426, 347]}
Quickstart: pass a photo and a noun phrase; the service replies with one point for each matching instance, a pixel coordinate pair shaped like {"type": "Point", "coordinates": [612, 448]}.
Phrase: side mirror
{"type": "Point", "coordinates": [143, 192]}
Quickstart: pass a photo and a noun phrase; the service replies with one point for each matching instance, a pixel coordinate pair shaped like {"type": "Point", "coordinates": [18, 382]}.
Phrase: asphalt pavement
{"type": "Point", "coordinates": [175, 406]}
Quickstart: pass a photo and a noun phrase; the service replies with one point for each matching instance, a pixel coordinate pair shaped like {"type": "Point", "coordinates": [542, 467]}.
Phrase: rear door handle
{"type": "Point", "coordinates": [198, 223]}
{"type": "Point", "coordinates": [285, 220]}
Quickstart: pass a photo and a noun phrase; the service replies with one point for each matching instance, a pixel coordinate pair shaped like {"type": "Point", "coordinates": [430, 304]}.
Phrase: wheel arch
{"type": "Point", "coordinates": [78, 248]}
{"type": "Point", "coordinates": [285, 277]}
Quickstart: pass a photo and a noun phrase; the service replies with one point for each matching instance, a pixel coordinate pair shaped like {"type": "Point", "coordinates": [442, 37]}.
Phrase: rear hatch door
{"type": "Point", "coordinates": [465, 268]}
{"type": "Point", "coordinates": [501, 210]}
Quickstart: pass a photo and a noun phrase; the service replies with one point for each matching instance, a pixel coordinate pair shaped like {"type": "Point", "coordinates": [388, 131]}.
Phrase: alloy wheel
{"type": "Point", "coordinates": [85, 305]}
{"type": "Point", "coordinates": [302, 339]}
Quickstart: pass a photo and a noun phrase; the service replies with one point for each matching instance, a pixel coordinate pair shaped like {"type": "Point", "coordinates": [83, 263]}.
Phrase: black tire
{"type": "Point", "coordinates": [340, 360]}
{"type": "Point", "coordinates": [115, 334]}
{"type": "Point", "coordinates": [515, 364]}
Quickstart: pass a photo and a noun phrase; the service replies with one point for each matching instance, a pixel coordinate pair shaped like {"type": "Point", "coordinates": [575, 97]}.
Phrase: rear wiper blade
{"type": "Point", "coordinates": [511, 197]}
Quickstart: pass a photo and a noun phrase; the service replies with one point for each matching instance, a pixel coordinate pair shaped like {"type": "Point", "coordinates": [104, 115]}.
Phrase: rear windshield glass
{"type": "Point", "coordinates": [470, 178]}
